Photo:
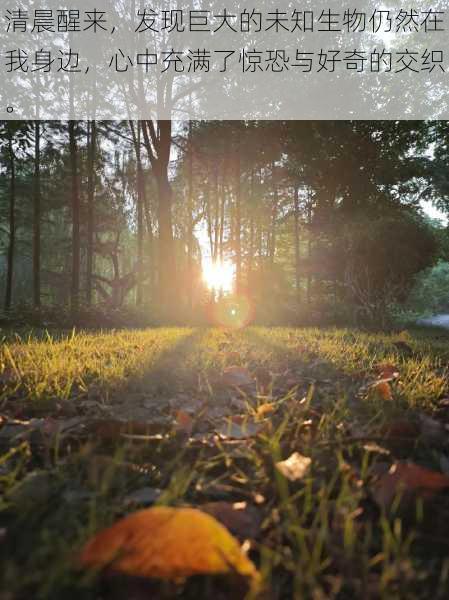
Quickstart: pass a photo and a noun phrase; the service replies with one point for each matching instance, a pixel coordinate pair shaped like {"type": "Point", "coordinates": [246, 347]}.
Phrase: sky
{"type": "Point", "coordinates": [433, 212]}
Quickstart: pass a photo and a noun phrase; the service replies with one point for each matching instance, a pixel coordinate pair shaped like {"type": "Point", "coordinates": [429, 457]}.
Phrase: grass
{"type": "Point", "coordinates": [321, 537]}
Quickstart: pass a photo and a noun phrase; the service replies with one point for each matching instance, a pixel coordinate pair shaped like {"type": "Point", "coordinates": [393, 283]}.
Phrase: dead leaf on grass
{"type": "Point", "coordinates": [265, 409]}
{"type": "Point", "coordinates": [387, 371]}
{"type": "Point", "coordinates": [382, 390]}
{"type": "Point", "coordinates": [410, 481]}
{"type": "Point", "coordinates": [295, 467]}
{"type": "Point", "coordinates": [168, 543]}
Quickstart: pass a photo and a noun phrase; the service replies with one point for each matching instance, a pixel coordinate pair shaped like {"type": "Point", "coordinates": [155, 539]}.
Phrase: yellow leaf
{"type": "Point", "coordinates": [168, 543]}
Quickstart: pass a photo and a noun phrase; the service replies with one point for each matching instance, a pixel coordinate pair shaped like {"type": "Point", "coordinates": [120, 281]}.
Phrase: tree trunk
{"type": "Point", "coordinates": [75, 202]}
{"type": "Point", "coordinates": [37, 218]}
{"type": "Point", "coordinates": [140, 207]}
{"type": "Point", "coordinates": [309, 249]}
{"type": "Point", "coordinates": [251, 232]}
{"type": "Point", "coordinates": [297, 248]}
{"type": "Point", "coordinates": [190, 223]}
{"type": "Point", "coordinates": [12, 222]}
{"type": "Point", "coordinates": [92, 142]}
{"type": "Point", "coordinates": [238, 226]}
{"type": "Point", "coordinates": [158, 146]}
{"type": "Point", "coordinates": [274, 210]}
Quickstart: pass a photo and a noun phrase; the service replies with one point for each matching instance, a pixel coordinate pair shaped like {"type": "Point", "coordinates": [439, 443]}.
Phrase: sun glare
{"type": "Point", "coordinates": [218, 275]}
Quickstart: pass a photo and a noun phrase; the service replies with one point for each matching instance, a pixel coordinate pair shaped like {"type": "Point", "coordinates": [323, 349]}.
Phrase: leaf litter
{"type": "Point", "coordinates": [209, 415]}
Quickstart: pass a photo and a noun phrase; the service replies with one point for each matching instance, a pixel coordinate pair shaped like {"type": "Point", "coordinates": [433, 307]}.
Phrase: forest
{"type": "Point", "coordinates": [316, 222]}
{"type": "Point", "coordinates": [224, 360]}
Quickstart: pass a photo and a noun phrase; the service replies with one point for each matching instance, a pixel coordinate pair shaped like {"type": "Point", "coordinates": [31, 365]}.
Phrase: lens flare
{"type": "Point", "coordinates": [218, 275]}
{"type": "Point", "coordinates": [233, 312]}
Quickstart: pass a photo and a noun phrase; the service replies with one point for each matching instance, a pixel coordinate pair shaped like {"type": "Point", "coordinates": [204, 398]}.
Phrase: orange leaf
{"type": "Point", "coordinates": [382, 390]}
{"type": "Point", "coordinates": [167, 543]}
{"type": "Point", "coordinates": [265, 409]}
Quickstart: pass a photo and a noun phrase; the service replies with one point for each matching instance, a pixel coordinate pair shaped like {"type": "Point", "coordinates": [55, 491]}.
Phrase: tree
{"type": "Point", "coordinates": [75, 206]}
{"type": "Point", "coordinates": [10, 129]}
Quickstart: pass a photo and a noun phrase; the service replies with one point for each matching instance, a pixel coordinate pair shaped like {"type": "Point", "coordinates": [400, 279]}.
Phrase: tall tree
{"type": "Point", "coordinates": [75, 205]}
{"type": "Point", "coordinates": [297, 245]}
{"type": "Point", "coordinates": [12, 216]}
{"type": "Point", "coordinates": [92, 145]}
{"type": "Point", "coordinates": [37, 217]}
{"type": "Point", "coordinates": [157, 138]}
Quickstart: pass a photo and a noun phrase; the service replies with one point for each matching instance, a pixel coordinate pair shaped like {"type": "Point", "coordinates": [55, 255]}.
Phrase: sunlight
{"type": "Point", "coordinates": [218, 275]}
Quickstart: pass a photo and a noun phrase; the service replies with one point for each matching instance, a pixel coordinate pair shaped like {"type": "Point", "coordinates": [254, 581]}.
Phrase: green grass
{"type": "Point", "coordinates": [322, 537]}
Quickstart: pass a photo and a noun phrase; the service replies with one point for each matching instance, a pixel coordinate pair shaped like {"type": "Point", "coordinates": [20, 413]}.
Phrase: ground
{"type": "Point", "coordinates": [96, 425]}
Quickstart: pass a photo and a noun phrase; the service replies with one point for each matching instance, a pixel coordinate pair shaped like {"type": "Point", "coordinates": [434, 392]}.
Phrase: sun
{"type": "Point", "coordinates": [218, 275]}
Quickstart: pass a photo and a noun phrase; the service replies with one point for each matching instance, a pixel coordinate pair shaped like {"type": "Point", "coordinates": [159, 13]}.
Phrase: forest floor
{"type": "Point", "coordinates": [96, 426]}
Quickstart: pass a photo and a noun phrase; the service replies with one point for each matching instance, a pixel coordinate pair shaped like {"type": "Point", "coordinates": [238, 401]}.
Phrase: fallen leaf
{"type": "Point", "coordinates": [294, 467]}
{"type": "Point", "coordinates": [184, 421]}
{"type": "Point", "coordinates": [409, 480]}
{"type": "Point", "coordinates": [382, 390]}
{"type": "Point", "coordinates": [241, 519]}
{"type": "Point", "coordinates": [375, 448]}
{"type": "Point", "coordinates": [401, 430]}
{"type": "Point", "coordinates": [167, 543]}
{"type": "Point", "coordinates": [387, 371]}
{"type": "Point", "coordinates": [237, 377]}
{"type": "Point", "coordinates": [265, 409]}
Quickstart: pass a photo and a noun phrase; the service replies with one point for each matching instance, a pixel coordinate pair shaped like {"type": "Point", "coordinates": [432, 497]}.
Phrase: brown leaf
{"type": "Point", "coordinates": [241, 519]}
{"type": "Point", "coordinates": [167, 543]}
{"type": "Point", "coordinates": [184, 421]}
{"type": "Point", "coordinates": [382, 390]}
{"type": "Point", "coordinates": [387, 371]}
{"type": "Point", "coordinates": [237, 377]}
{"type": "Point", "coordinates": [409, 480]}
{"type": "Point", "coordinates": [401, 430]}
{"type": "Point", "coordinates": [295, 467]}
